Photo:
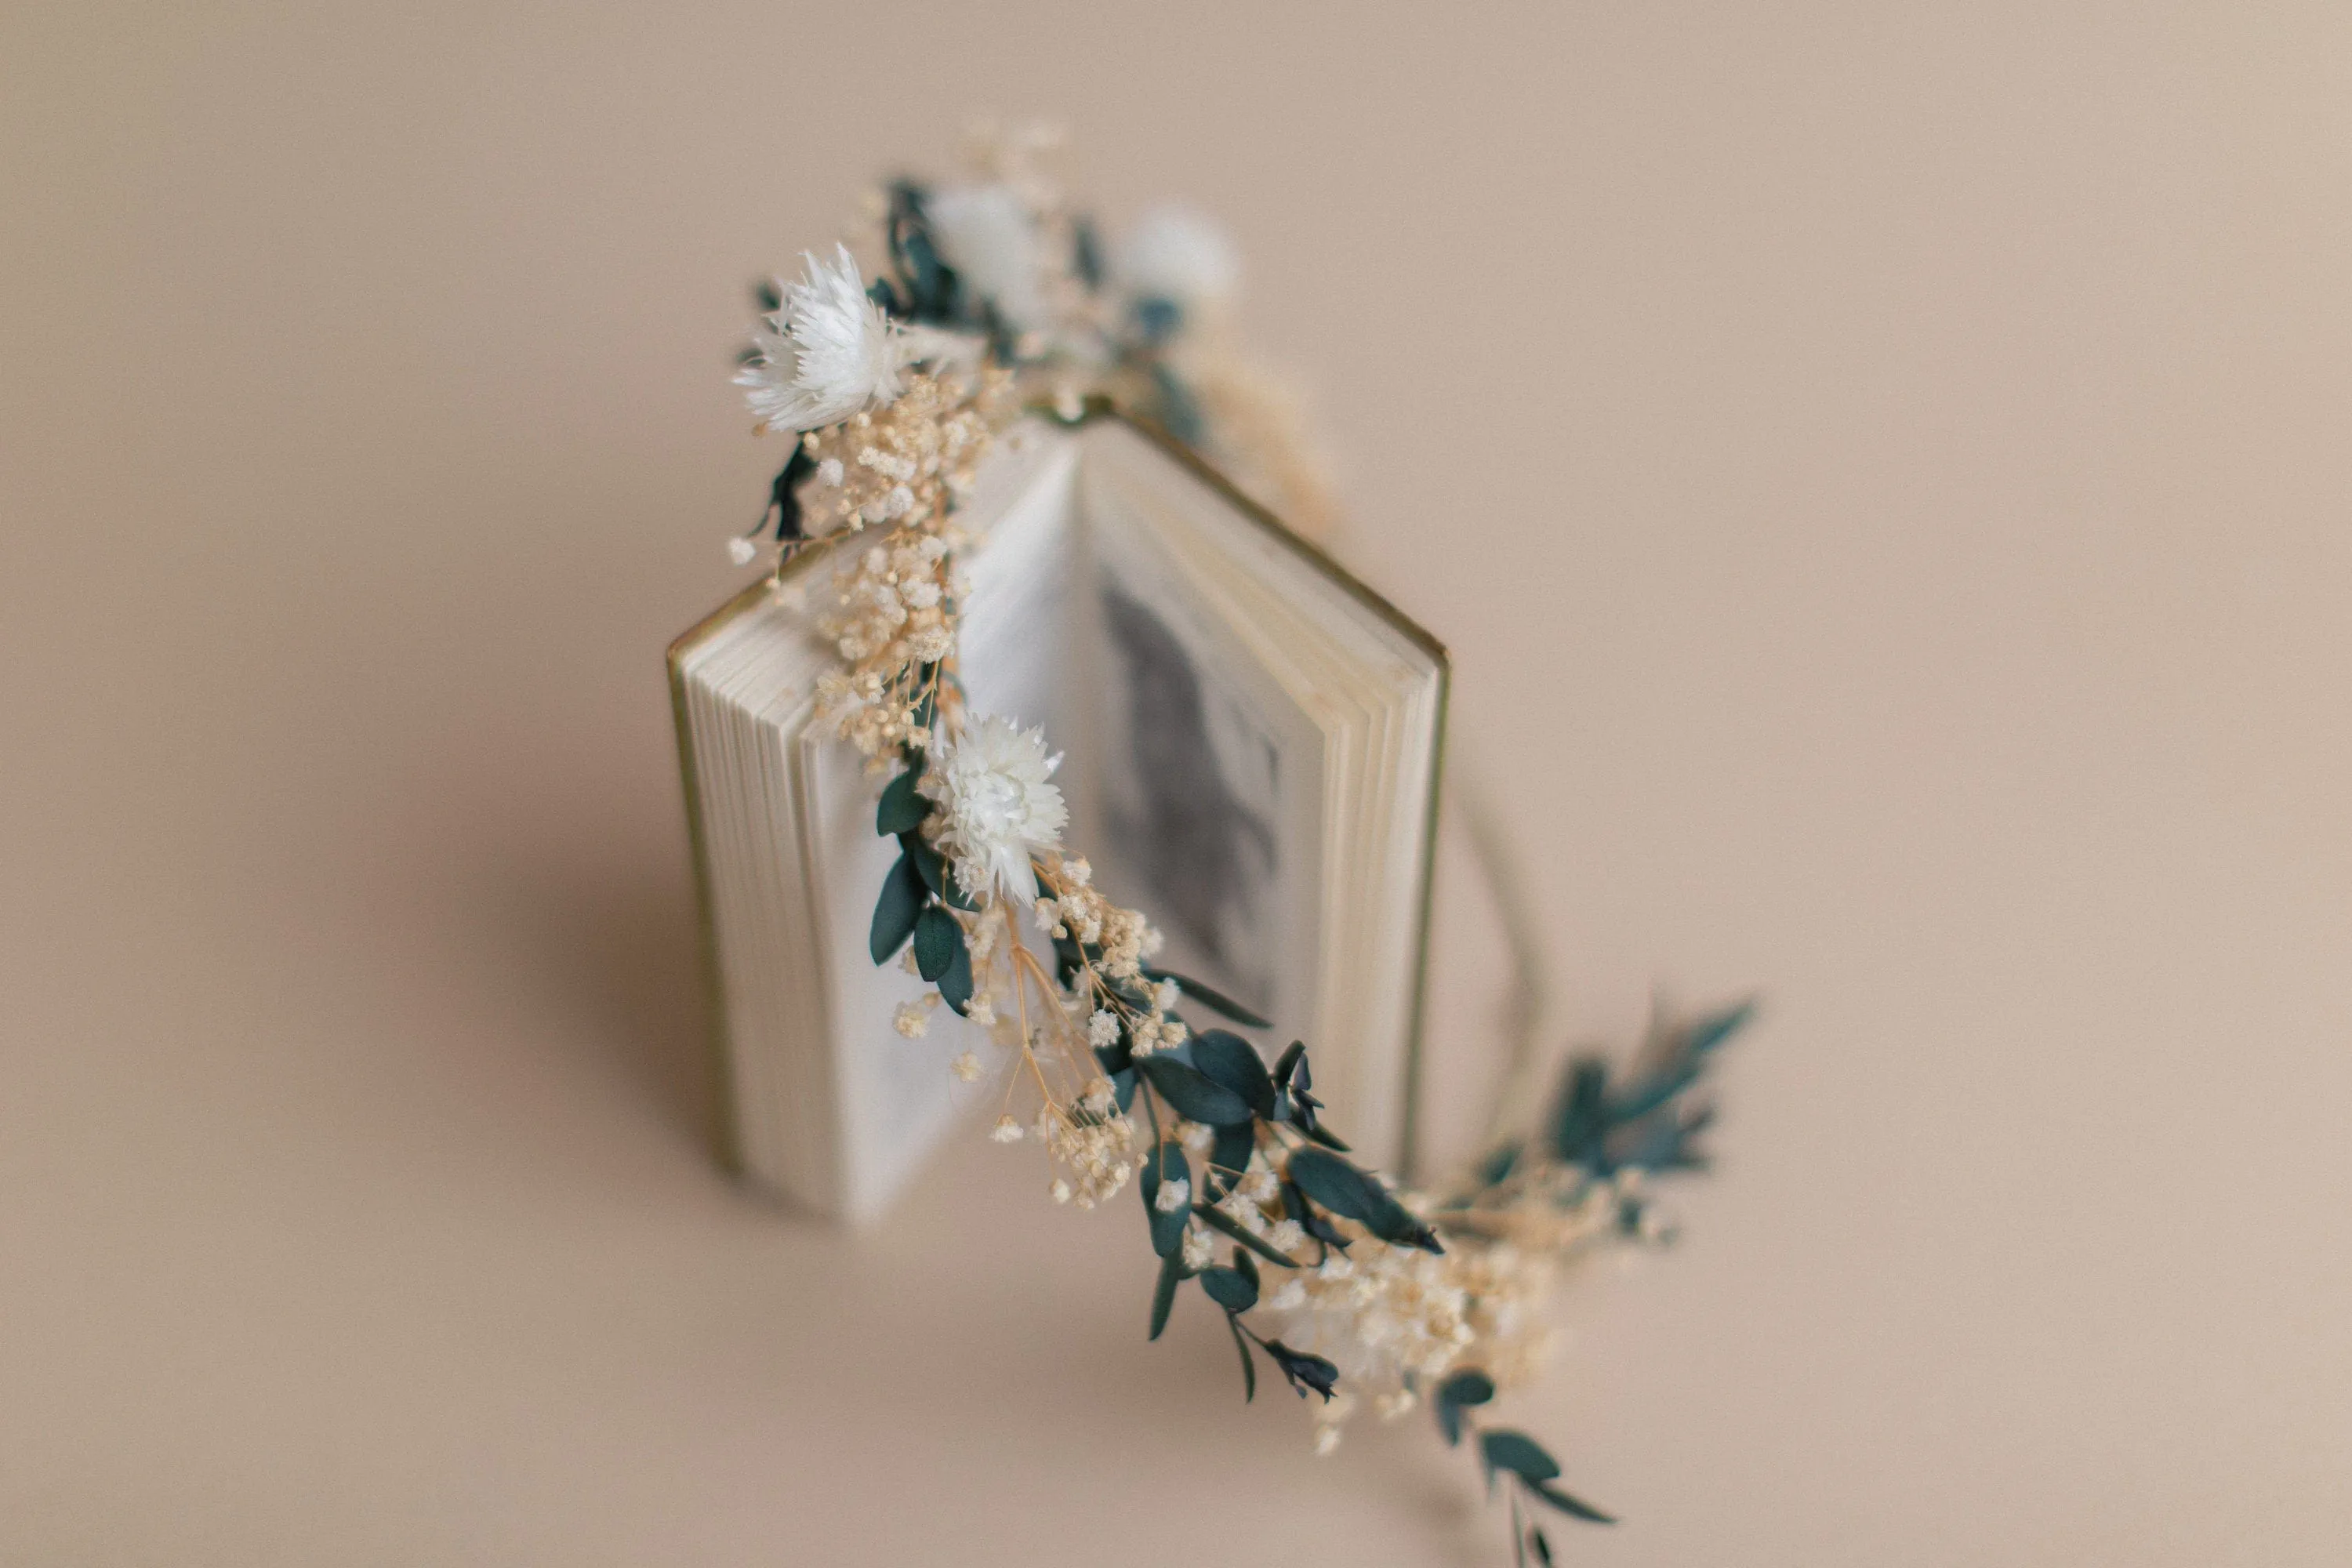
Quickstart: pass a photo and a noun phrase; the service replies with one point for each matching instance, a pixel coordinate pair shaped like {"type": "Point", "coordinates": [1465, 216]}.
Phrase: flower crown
{"type": "Point", "coordinates": [991, 297]}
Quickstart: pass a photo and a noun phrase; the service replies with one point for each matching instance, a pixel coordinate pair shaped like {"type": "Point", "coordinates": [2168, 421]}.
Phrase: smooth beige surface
{"type": "Point", "coordinates": [1884, 473]}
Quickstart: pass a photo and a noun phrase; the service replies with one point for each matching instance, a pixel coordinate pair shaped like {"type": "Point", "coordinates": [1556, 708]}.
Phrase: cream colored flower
{"type": "Point", "coordinates": [999, 808]}
{"type": "Point", "coordinates": [987, 235]}
{"type": "Point", "coordinates": [831, 351]}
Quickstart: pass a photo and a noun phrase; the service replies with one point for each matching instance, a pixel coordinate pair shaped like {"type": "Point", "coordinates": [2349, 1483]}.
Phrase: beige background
{"type": "Point", "coordinates": [1883, 470]}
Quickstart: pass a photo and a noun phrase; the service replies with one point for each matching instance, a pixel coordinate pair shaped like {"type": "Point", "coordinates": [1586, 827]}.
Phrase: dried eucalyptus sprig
{"type": "Point", "coordinates": [987, 296]}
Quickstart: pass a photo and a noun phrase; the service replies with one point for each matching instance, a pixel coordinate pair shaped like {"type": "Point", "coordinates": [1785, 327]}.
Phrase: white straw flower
{"type": "Point", "coordinates": [999, 807]}
{"type": "Point", "coordinates": [1174, 253]}
{"type": "Point", "coordinates": [832, 352]}
{"type": "Point", "coordinates": [986, 234]}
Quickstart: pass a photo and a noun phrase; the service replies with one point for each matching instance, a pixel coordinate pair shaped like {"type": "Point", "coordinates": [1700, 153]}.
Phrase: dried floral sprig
{"type": "Point", "coordinates": [1353, 1289]}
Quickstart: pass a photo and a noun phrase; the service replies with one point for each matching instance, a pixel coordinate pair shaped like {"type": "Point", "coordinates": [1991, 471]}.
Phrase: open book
{"type": "Point", "coordinates": [1252, 742]}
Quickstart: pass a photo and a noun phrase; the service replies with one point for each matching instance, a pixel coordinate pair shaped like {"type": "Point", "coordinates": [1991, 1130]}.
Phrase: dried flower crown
{"type": "Point", "coordinates": [989, 297]}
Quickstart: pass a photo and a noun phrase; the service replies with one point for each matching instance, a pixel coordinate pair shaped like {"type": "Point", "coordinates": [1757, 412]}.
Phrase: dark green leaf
{"type": "Point", "coordinates": [1229, 1156]}
{"type": "Point", "coordinates": [1163, 1293]}
{"type": "Point", "coordinates": [1517, 1453]}
{"type": "Point", "coordinates": [1304, 1371]}
{"type": "Point", "coordinates": [1581, 1119]}
{"type": "Point", "coordinates": [1249, 1362]}
{"type": "Point", "coordinates": [1230, 1289]}
{"type": "Point", "coordinates": [1310, 1218]}
{"type": "Point", "coordinates": [937, 940]}
{"type": "Point", "coordinates": [901, 809]}
{"type": "Point", "coordinates": [1716, 1028]}
{"type": "Point", "coordinates": [932, 868]}
{"type": "Point", "coordinates": [1543, 1548]}
{"type": "Point", "coordinates": [1575, 1507]}
{"type": "Point", "coordinates": [1165, 1164]}
{"type": "Point", "coordinates": [955, 985]}
{"type": "Point", "coordinates": [1329, 1139]}
{"type": "Point", "coordinates": [1218, 1220]}
{"type": "Point", "coordinates": [1229, 1060]}
{"type": "Point", "coordinates": [1191, 1093]}
{"type": "Point", "coordinates": [1291, 1056]}
{"type": "Point", "coordinates": [1468, 1387]}
{"type": "Point", "coordinates": [1214, 1000]}
{"type": "Point", "coordinates": [1337, 1185]}
{"type": "Point", "coordinates": [1123, 1082]}
{"type": "Point", "coordinates": [896, 910]}
{"type": "Point", "coordinates": [1400, 1226]}
{"type": "Point", "coordinates": [1179, 410]}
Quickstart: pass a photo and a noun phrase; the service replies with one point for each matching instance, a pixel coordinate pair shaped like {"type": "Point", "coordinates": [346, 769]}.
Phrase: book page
{"type": "Point", "coordinates": [1210, 777]}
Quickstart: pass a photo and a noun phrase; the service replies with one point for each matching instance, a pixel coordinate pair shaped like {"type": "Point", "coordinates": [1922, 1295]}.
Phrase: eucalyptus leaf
{"type": "Point", "coordinates": [1228, 1060]}
{"type": "Point", "coordinates": [1163, 1290]}
{"type": "Point", "coordinates": [1336, 1185]}
{"type": "Point", "coordinates": [1165, 1164]}
{"type": "Point", "coordinates": [1468, 1387]}
{"type": "Point", "coordinates": [1208, 997]}
{"type": "Point", "coordinates": [1716, 1028]}
{"type": "Point", "coordinates": [1230, 1289]}
{"type": "Point", "coordinates": [1229, 1156]}
{"type": "Point", "coordinates": [1517, 1452]}
{"type": "Point", "coordinates": [1575, 1507]}
{"type": "Point", "coordinates": [901, 809]}
{"type": "Point", "coordinates": [938, 941]}
{"type": "Point", "coordinates": [1249, 1362]}
{"type": "Point", "coordinates": [896, 911]}
{"type": "Point", "coordinates": [1304, 1371]}
{"type": "Point", "coordinates": [1329, 1139]}
{"type": "Point", "coordinates": [1191, 1093]}
{"type": "Point", "coordinates": [955, 985]}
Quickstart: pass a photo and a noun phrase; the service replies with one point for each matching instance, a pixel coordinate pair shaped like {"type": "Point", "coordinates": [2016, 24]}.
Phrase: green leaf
{"type": "Point", "coordinates": [955, 985]}
{"type": "Point", "coordinates": [1294, 1053]}
{"type": "Point", "coordinates": [1337, 1185]}
{"type": "Point", "coordinates": [1716, 1028]}
{"type": "Point", "coordinates": [1582, 1116]}
{"type": "Point", "coordinates": [1164, 1163]}
{"type": "Point", "coordinates": [1231, 1062]}
{"type": "Point", "coordinates": [1468, 1387]}
{"type": "Point", "coordinates": [1191, 1093]}
{"type": "Point", "coordinates": [1517, 1453]}
{"type": "Point", "coordinates": [1543, 1548]}
{"type": "Point", "coordinates": [1229, 1156]}
{"type": "Point", "coordinates": [1230, 1289]}
{"type": "Point", "coordinates": [1218, 1220]}
{"type": "Point", "coordinates": [1249, 1362]}
{"type": "Point", "coordinates": [1163, 1293]}
{"type": "Point", "coordinates": [932, 867]}
{"type": "Point", "coordinates": [901, 810]}
{"type": "Point", "coordinates": [937, 940]}
{"type": "Point", "coordinates": [1575, 1507]}
{"type": "Point", "coordinates": [1304, 1371]}
{"type": "Point", "coordinates": [896, 910]}
{"type": "Point", "coordinates": [1214, 1000]}
{"type": "Point", "coordinates": [1329, 1139]}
